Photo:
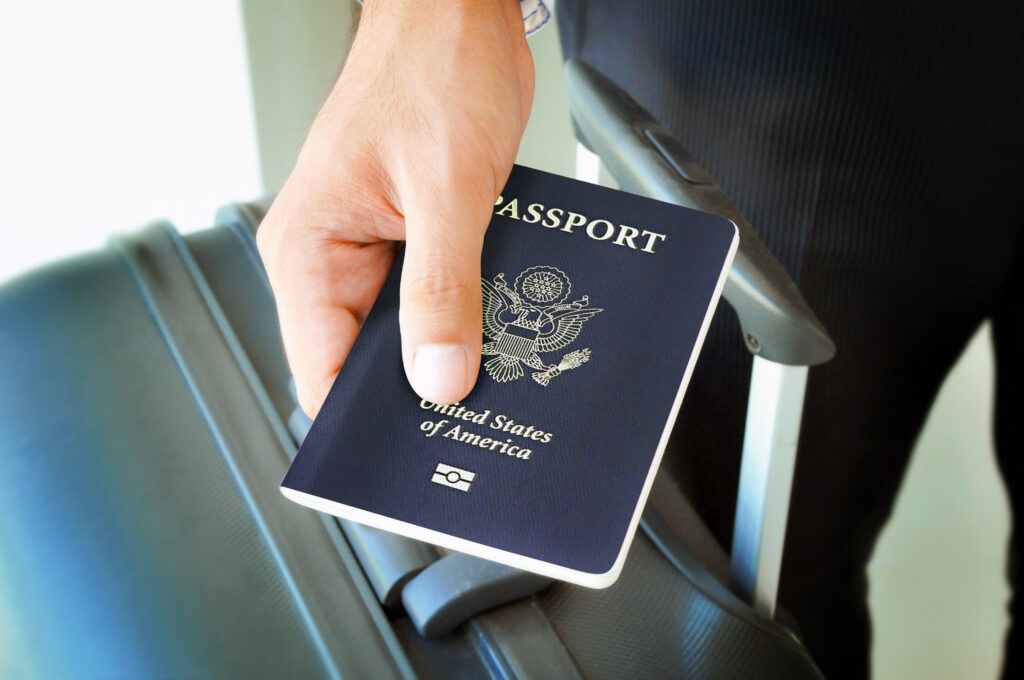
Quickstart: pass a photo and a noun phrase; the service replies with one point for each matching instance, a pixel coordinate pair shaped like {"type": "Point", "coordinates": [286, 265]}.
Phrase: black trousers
{"type": "Point", "coordinates": [878, 150]}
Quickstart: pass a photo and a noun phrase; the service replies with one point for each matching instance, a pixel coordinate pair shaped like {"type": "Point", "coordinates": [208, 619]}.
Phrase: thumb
{"type": "Point", "coordinates": [440, 312]}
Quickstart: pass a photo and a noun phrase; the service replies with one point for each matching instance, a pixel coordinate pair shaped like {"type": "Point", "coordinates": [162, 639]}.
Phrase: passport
{"type": "Point", "coordinates": [595, 305]}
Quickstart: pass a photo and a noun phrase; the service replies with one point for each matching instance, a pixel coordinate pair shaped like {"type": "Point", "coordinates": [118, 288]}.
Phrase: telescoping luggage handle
{"type": "Point", "coordinates": [778, 326]}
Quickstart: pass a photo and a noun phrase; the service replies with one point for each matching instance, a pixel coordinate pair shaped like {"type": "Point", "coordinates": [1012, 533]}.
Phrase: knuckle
{"type": "Point", "coordinates": [270, 245]}
{"type": "Point", "coordinates": [440, 289]}
{"type": "Point", "coordinates": [263, 241]}
{"type": "Point", "coordinates": [266, 246]}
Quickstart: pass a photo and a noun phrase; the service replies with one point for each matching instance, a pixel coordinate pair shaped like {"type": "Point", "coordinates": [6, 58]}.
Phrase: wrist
{"type": "Point", "coordinates": [437, 6]}
{"type": "Point", "coordinates": [447, 13]}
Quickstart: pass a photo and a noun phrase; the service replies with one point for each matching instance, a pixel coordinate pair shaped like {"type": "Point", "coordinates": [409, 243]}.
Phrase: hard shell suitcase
{"type": "Point", "coordinates": [147, 418]}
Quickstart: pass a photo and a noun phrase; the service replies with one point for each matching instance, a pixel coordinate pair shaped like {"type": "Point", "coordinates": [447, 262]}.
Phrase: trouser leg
{"type": "Point", "coordinates": [880, 159]}
{"type": "Point", "coordinates": [1008, 337]}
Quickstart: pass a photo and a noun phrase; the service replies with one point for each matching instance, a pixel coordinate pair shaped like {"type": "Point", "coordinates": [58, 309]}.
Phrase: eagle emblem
{"type": "Point", "coordinates": [532, 318]}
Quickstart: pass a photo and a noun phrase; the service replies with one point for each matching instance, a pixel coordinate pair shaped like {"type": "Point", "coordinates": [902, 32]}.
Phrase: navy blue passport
{"type": "Point", "coordinates": [595, 305]}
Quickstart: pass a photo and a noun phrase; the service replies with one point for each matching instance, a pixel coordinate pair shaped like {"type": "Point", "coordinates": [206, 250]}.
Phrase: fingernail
{"type": "Point", "coordinates": [439, 372]}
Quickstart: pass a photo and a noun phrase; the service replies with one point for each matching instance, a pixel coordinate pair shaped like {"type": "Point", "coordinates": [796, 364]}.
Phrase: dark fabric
{"type": "Point", "coordinates": [1008, 336]}
{"type": "Point", "coordinates": [878, 149]}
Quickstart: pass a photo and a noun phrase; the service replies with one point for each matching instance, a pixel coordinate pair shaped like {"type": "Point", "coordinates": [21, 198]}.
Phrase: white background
{"type": "Point", "coordinates": [115, 113]}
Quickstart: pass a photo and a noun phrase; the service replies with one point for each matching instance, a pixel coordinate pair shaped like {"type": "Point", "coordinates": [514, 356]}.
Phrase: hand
{"type": "Point", "coordinates": [414, 143]}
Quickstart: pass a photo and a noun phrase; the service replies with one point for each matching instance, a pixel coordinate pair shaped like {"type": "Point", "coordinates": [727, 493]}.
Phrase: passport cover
{"type": "Point", "coordinates": [595, 305]}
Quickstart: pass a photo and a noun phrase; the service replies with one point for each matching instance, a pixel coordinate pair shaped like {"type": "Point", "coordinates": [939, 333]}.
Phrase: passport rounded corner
{"type": "Point", "coordinates": [600, 581]}
{"type": "Point", "coordinates": [605, 579]}
{"type": "Point", "coordinates": [735, 231]}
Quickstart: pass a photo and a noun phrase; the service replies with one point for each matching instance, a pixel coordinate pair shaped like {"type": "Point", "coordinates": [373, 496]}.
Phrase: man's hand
{"type": "Point", "coordinates": [414, 143]}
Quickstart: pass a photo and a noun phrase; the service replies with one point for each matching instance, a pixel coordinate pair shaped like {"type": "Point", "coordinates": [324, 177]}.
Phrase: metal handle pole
{"type": "Point", "coordinates": [766, 477]}
{"type": "Point", "coordinates": [779, 327]}
{"type": "Point", "coordinates": [588, 165]}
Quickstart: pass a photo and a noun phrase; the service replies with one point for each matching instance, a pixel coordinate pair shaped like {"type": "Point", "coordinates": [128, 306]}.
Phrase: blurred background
{"type": "Point", "coordinates": [115, 113]}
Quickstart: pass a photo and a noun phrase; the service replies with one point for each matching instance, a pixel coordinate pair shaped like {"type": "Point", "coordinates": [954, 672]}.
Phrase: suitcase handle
{"type": "Point", "coordinates": [646, 159]}
{"type": "Point", "coordinates": [779, 328]}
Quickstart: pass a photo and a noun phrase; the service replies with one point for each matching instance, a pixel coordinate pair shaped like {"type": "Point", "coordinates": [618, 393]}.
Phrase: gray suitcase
{"type": "Point", "coordinates": [147, 418]}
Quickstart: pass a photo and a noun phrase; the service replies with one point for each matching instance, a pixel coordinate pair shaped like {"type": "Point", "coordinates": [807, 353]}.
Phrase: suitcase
{"type": "Point", "coordinates": [147, 417]}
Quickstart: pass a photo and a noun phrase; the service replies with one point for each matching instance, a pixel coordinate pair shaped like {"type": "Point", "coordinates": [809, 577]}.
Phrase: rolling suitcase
{"type": "Point", "coordinates": [147, 418]}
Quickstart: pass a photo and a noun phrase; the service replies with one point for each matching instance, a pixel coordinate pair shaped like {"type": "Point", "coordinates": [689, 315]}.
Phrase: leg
{"type": "Point", "coordinates": [879, 159]}
{"type": "Point", "coordinates": [1008, 335]}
